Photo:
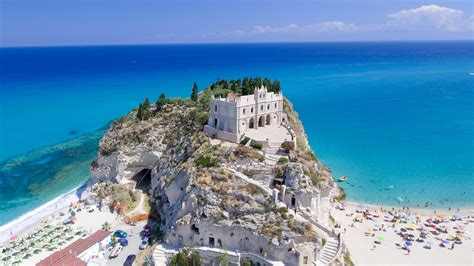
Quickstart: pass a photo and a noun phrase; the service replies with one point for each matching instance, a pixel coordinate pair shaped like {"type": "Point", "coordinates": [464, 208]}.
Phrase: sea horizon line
{"type": "Point", "coordinates": [235, 43]}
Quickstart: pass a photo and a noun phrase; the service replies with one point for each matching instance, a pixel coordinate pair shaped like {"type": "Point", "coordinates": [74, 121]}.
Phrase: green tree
{"type": "Point", "coordinates": [194, 94]}
{"type": "Point", "coordinates": [140, 112]}
{"type": "Point", "coordinates": [186, 257]}
{"type": "Point", "coordinates": [224, 260]}
{"type": "Point", "coordinates": [161, 101]}
{"type": "Point", "coordinates": [106, 226]}
{"type": "Point", "coordinates": [267, 84]}
{"type": "Point", "coordinates": [276, 87]}
{"type": "Point", "coordinates": [147, 103]}
{"type": "Point", "coordinates": [245, 262]}
{"type": "Point", "coordinates": [143, 112]}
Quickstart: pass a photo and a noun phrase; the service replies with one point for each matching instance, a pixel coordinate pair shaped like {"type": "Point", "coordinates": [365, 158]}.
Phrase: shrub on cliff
{"type": "Point", "coordinates": [107, 149]}
{"type": "Point", "coordinates": [186, 257]}
{"type": "Point", "coordinates": [143, 112]}
{"type": "Point", "coordinates": [206, 161]}
{"type": "Point", "coordinates": [283, 160]}
{"type": "Point", "coordinates": [161, 101]}
{"type": "Point", "coordinates": [257, 146]}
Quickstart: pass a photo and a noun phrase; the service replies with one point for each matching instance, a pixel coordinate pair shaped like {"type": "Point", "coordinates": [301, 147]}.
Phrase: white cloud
{"type": "Point", "coordinates": [429, 17]}
{"type": "Point", "coordinates": [328, 26]}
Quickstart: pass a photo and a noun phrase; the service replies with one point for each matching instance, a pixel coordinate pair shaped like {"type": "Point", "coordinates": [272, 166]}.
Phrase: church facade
{"type": "Point", "coordinates": [232, 116]}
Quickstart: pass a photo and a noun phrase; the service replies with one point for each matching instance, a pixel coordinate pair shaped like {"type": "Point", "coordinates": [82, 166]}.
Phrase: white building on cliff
{"type": "Point", "coordinates": [235, 116]}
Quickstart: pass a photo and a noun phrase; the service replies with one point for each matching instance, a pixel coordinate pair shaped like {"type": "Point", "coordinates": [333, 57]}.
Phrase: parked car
{"type": "Point", "coordinates": [144, 243]}
{"type": "Point", "coordinates": [120, 234]}
{"type": "Point", "coordinates": [115, 252]}
{"type": "Point", "coordinates": [123, 242]}
{"type": "Point", "coordinates": [146, 232]}
{"type": "Point", "coordinates": [129, 260]}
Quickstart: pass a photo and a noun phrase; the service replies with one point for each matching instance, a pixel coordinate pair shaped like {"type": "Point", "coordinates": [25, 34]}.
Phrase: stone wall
{"type": "Point", "coordinates": [227, 136]}
{"type": "Point", "coordinates": [235, 238]}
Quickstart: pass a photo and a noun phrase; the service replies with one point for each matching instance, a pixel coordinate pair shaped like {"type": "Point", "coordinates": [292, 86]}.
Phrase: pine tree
{"type": "Point", "coordinates": [267, 84]}
{"type": "Point", "coordinates": [140, 112]}
{"type": "Point", "coordinates": [161, 101]}
{"type": "Point", "coordinates": [276, 87]}
{"type": "Point", "coordinates": [194, 94]}
{"type": "Point", "coordinates": [143, 112]}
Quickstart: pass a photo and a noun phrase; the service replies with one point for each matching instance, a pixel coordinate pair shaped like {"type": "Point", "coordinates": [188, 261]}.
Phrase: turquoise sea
{"type": "Point", "coordinates": [397, 118]}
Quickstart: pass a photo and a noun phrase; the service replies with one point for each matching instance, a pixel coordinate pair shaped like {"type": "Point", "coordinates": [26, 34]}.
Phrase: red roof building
{"type": "Point", "coordinates": [70, 254]}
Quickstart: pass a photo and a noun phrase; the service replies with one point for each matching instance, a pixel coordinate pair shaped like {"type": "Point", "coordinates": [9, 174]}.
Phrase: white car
{"type": "Point", "coordinates": [116, 251]}
{"type": "Point", "coordinates": [144, 243]}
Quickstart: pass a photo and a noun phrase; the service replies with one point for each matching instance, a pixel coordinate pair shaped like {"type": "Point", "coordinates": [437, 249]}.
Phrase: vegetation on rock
{"type": "Point", "coordinates": [194, 93]}
{"type": "Point", "coordinates": [245, 86]}
{"type": "Point", "coordinates": [186, 257]}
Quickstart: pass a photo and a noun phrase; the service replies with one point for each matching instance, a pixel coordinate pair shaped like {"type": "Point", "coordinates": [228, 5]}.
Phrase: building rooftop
{"type": "Point", "coordinates": [68, 255]}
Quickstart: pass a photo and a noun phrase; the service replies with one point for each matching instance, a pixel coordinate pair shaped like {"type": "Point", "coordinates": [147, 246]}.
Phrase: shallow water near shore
{"type": "Point", "coordinates": [396, 118]}
{"type": "Point", "coordinates": [33, 179]}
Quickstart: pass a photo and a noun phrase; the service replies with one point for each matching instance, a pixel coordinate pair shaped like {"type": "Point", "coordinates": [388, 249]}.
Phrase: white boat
{"type": "Point", "coordinates": [342, 178]}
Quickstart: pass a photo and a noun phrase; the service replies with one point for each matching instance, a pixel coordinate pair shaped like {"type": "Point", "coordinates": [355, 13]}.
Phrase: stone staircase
{"type": "Point", "coordinates": [329, 253]}
{"type": "Point", "coordinates": [161, 255]}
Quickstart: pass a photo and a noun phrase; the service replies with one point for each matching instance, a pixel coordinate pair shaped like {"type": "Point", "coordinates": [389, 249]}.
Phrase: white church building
{"type": "Point", "coordinates": [235, 116]}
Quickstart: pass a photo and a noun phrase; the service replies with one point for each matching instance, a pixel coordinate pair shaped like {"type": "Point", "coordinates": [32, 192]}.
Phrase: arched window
{"type": "Point", "coordinates": [261, 107]}
{"type": "Point", "coordinates": [268, 107]}
{"type": "Point", "coordinates": [243, 110]}
{"type": "Point", "coordinates": [251, 110]}
{"type": "Point", "coordinates": [275, 105]}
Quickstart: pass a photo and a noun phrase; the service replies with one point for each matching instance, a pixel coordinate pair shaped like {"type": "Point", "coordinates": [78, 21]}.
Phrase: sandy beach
{"type": "Point", "coordinates": [32, 218]}
{"type": "Point", "coordinates": [360, 237]}
{"type": "Point", "coordinates": [89, 219]}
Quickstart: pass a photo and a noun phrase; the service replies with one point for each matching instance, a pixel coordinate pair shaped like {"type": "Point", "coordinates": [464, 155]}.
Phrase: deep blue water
{"type": "Point", "coordinates": [385, 114]}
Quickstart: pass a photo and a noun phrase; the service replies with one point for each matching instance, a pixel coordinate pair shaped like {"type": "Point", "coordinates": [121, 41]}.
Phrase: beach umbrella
{"type": "Point", "coordinates": [408, 243]}
{"type": "Point", "coordinates": [380, 238]}
{"type": "Point", "coordinates": [444, 242]}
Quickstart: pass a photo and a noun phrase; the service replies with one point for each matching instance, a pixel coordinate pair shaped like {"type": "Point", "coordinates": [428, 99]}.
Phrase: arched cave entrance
{"type": "Point", "coordinates": [143, 180]}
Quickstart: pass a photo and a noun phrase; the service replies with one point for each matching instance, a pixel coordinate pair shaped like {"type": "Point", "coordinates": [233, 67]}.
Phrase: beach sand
{"type": "Point", "coordinates": [361, 247]}
{"type": "Point", "coordinates": [30, 219]}
{"type": "Point", "coordinates": [90, 221]}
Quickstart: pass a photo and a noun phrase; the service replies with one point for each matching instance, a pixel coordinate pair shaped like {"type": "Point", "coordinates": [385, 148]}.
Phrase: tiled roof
{"type": "Point", "coordinates": [67, 256]}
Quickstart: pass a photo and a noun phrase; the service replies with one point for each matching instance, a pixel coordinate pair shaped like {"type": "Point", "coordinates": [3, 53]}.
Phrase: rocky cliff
{"type": "Point", "coordinates": [198, 182]}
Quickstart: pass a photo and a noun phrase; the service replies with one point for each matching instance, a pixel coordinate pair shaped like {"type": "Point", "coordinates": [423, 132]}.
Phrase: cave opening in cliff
{"type": "Point", "coordinates": [143, 180]}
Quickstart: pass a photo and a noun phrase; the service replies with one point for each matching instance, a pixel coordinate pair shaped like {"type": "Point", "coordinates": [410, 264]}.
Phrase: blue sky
{"type": "Point", "coordinates": [91, 22]}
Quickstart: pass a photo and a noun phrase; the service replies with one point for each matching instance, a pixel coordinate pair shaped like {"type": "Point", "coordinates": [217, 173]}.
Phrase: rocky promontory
{"type": "Point", "coordinates": [208, 192]}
